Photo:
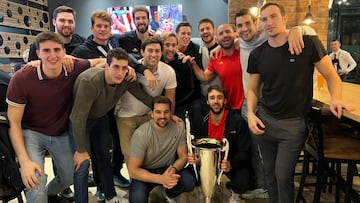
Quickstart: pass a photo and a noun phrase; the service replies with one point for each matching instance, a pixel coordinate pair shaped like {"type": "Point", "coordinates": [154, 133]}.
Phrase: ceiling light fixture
{"type": "Point", "coordinates": [308, 17]}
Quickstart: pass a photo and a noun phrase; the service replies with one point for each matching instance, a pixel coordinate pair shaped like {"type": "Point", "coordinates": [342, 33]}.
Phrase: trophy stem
{"type": "Point", "coordinates": [208, 200]}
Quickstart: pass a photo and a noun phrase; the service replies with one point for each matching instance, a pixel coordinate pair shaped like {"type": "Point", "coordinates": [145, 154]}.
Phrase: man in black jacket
{"type": "Point", "coordinates": [221, 123]}
{"type": "Point", "coordinates": [188, 95]}
{"type": "Point", "coordinates": [64, 23]}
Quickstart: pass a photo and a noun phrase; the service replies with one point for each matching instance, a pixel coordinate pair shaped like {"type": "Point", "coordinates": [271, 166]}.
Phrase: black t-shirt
{"type": "Point", "coordinates": [287, 79]}
{"type": "Point", "coordinates": [188, 86]}
{"type": "Point", "coordinates": [131, 43]}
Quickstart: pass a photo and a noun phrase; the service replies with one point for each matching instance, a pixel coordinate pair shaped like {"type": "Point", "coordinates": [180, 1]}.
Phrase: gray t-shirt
{"type": "Point", "coordinates": [158, 149]}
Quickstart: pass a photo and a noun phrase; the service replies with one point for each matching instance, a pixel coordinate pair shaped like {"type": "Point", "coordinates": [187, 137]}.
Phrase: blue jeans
{"type": "Point", "coordinates": [37, 144]}
{"type": "Point", "coordinates": [139, 190]}
{"type": "Point", "coordinates": [99, 144]}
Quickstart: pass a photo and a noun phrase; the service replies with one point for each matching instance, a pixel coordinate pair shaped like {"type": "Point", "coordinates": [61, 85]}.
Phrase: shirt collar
{"type": "Point", "coordinates": [41, 76]}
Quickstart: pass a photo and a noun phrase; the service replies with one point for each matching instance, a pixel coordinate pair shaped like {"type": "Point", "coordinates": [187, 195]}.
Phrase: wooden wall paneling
{"type": "Point", "coordinates": [41, 2]}
{"type": "Point", "coordinates": [22, 16]}
{"type": "Point", "coordinates": [12, 45]}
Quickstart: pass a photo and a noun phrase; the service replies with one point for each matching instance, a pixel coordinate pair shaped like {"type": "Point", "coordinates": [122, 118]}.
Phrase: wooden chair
{"type": "Point", "coordinates": [328, 148]}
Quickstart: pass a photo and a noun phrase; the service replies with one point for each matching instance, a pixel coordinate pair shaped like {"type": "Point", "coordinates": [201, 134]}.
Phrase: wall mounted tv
{"type": "Point", "coordinates": [163, 18]}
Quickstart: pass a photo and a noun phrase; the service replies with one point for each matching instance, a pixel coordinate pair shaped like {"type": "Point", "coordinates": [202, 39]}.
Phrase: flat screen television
{"type": "Point", "coordinates": [163, 18]}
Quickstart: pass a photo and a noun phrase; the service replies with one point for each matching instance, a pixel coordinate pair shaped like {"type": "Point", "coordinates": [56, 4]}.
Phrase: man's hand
{"type": "Point", "coordinates": [225, 165]}
{"type": "Point", "coordinates": [79, 158]}
{"type": "Point", "coordinates": [169, 178]}
{"type": "Point", "coordinates": [176, 119]}
{"type": "Point", "coordinates": [255, 124]}
{"type": "Point", "coordinates": [215, 52]}
{"type": "Point", "coordinates": [152, 81]}
{"type": "Point", "coordinates": [295, 39]}
{"type": "Point", "coordinates": [34, 63]}
{"type": "Point", "coordinates": [191, 158]}
{"type": "Point", "coordinates": [131, 74]}
{"type": "Point", "coordinates": [336, 107]}
{"type": "Point", "coordinates": [68, 62]}
{"type": "Point", "coordinates": [185, 58]}
{"type": "Point", "coordinates": [28, 171]}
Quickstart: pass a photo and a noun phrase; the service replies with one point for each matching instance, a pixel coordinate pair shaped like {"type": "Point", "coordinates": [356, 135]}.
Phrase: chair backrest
{"type": "Point", "coordinates": [10, 178]}
{"type": "Point", "coordinates": [314, 142]}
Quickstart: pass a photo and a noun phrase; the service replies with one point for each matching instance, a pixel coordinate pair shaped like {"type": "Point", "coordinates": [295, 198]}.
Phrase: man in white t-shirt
{"type": "Point", "coordinates": [130, 112]}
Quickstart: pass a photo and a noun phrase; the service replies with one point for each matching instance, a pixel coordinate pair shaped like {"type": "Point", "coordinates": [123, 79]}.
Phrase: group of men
{"type": "Point", "coordinates": [172, 71]}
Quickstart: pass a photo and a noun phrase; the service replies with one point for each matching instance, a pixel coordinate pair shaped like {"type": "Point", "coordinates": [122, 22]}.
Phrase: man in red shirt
{"type": "Point", "coordinates": [227, 66]}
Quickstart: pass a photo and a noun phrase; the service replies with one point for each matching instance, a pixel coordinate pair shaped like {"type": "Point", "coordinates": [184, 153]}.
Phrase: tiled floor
{"type": "Point", "coordinates": [221, 194]}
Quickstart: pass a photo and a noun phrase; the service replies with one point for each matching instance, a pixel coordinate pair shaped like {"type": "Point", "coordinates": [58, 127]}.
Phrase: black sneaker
{"type": "Point", "coordinates": [68, 194]}
{"type": "Point", "coordinates": [57, 199]}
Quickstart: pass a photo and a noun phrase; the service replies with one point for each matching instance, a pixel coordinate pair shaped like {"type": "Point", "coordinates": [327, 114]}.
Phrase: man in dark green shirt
{"type": "Point", "coordinates": [96, 91]}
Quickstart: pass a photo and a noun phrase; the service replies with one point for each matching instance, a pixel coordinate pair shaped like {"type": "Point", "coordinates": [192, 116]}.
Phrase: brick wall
{"type": "Point", "coordinates": [296, 10]}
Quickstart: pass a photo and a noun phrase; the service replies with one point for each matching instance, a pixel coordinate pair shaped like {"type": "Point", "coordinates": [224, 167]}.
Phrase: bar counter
{"type": "Point", "coordinates": [350, 95]}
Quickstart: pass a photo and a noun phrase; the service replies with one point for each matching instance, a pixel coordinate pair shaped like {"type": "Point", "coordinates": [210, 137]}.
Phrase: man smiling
{"type": "Point", "coordinates": [131, 41]}
{"type": "Point", "coordinates": [96, 93]}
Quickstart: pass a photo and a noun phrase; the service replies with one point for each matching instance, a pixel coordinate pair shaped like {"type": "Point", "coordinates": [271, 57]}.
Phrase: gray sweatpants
{"type": "Point", "coordinates": [280, 148]}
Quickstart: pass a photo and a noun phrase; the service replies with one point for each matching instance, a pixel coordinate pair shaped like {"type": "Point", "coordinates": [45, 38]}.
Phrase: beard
{"type": "Point", "coordinates": [162, 123]}
{"type": "Point", "coordinates": [142, 30]}
{"type": "Point", "coordinates": [208, 39]}
{"type": "Point", "coordinates": [226, 46]}
{"type": "Point", "coordinates": [63, 33]}
{"type": "Point", "coordinates": [217, 112]}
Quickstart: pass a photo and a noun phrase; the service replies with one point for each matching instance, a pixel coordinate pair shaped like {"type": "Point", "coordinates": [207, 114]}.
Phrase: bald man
{"type": "Point", "coordinates": [227, 66]}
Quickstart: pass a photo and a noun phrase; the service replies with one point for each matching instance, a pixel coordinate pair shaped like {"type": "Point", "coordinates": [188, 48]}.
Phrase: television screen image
{"type": "Point", "coordinates": [163, 18]}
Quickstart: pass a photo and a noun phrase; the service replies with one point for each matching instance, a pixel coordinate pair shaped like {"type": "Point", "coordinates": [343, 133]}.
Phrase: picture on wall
{"type": "Point", "coordinates": [163, 18]}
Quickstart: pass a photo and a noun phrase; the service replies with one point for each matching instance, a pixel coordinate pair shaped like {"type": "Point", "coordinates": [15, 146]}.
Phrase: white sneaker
{"type": "Point", "coordinates": [168, 199]}
{"type": "Point", "coordinates": [116, 199]}
{"type": "Point", "coordinates": [256, 194]}
{"type": "Point", "coordinates": [234, 198]}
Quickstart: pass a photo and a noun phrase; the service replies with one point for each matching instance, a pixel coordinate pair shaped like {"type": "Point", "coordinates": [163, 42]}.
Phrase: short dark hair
{"type": "Point", "coordinates": [160, 100]}
{"type": "Point", "coordinates": [103, 15]}
{"type": "Point", "coordinates": [48, 36]}
{"type": "Point", "coordinates": [335, 40]}
{"type": "Point", "coordinates": [140, 8]}
{"type": "Point", "coordinates": [182, 24]}
{"type": "Point", "coordinates": [281, 8]}
{"type": "Point", "coordinates": [63, 9]}
{"type": "Point", "coordinates": [117, 53]}
{"type": "Point", "coordinates": [206, 20]}
{"type": "Point", "coordinates": [217, 88]}
{"type": "Point", "coordinates": [243, 12]}
{"type": "Point", "coordinates": [151, 40]}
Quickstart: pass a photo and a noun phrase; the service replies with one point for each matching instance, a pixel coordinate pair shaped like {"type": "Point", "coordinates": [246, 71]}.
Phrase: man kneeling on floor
{"type": "Point", "coordinates": [221, 123]}
{"type": "Point", "coordinates": [158, 153]}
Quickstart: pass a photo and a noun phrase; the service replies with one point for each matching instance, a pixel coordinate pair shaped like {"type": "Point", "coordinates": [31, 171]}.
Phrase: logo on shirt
{"type": "Point", "coordinates": [292, 60]}
{"type": "Point", "coordinates": [135, 50]}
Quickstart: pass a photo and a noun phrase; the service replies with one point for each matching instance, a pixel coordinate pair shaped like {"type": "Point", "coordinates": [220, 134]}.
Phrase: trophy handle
{"type": "Point", "coordinates": [189, 137]}
{"type": "Point", "coordinates": [226, 149]}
